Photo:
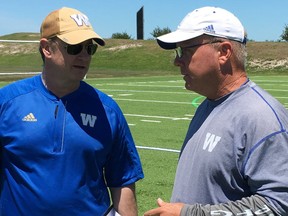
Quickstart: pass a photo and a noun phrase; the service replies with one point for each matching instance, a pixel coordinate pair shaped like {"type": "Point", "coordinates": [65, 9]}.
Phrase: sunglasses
{"type": "Point", "coordinates": [179, 50]}
{"type": "Point", "coordinates": [77, 48]}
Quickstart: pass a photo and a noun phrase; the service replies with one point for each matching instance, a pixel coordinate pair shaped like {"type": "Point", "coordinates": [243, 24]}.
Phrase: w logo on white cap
{"type": "Point", "coordinates": [80, 19]}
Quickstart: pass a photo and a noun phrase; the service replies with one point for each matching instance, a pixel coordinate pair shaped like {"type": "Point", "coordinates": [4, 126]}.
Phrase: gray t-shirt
{"type": "Point", "coordinates": [235, 147]}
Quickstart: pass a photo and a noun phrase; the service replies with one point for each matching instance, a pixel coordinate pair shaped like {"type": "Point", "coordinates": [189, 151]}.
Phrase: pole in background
{"type": "Point", "coordinates": [140, 24]}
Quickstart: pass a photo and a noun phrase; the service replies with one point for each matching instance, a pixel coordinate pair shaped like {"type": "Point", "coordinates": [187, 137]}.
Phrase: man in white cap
{"type": "Point", "coordinates": [65, 146]}
{"type": "Point", "coordinates": [234, 157]}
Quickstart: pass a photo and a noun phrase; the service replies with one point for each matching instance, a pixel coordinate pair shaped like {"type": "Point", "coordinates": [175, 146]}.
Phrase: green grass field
{"type": "Point", "coordinates": [158, 110]}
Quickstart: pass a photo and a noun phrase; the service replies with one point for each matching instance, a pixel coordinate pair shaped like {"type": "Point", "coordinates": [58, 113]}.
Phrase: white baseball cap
{"type": "Point", "coordinates": [212, 21]}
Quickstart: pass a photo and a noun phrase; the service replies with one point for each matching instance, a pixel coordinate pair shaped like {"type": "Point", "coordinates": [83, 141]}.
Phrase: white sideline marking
{"type": "Point", "coordinates": [125, 94]}
{"type": "Point", "coordinates": [147, 91]}
{"type": "Point", "coordinates": [281, 90]}
{"type": "Point", "coordinates": [19, 73]}
{"type": "Point", "coordinates": [20, 41]}
{"type": "Point", "coordinates": [153, 121]}
{"type": "Point", "coordinates": [152, 101]}
{"type": "Point", "coordinates": [143, 85]}
{"type": "Point", "coordinates": [160, 117]}
{"type": "Point", "coordinates": [158, 149]}
{"type": "Point", "coordinates": [266, 82]}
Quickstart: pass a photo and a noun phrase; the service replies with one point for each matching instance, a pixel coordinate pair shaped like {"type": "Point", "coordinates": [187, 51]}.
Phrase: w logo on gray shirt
{"type": "Point", "coordinates": [211, 141]}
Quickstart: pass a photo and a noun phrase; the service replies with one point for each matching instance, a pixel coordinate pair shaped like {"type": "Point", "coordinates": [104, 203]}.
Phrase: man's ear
{"type": "Point", "coordinates": [45, 46]}
{"type": "Point", "coordinates": [225, 52]}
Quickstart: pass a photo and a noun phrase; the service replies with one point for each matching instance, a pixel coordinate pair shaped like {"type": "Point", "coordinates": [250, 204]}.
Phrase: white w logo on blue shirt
{"type": "Point", "coordinates": [211, 141]}
{"type": "Point", "coordinates": [88, 119]}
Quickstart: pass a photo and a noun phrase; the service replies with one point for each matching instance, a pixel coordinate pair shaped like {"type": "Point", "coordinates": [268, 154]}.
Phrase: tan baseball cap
{"type": "Point", "coordinates": [70, 25]}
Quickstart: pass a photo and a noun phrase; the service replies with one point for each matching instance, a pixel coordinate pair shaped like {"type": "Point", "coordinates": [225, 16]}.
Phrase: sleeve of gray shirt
{"type": "Point", "coordinates": [254, 205]}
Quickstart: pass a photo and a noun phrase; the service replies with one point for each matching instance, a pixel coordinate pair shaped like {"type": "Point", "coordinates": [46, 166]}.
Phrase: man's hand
{"type": "Point", "coordinates": [165, 209]}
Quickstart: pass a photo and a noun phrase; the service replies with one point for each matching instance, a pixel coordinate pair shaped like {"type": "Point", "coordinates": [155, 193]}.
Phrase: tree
{"type": "Point", "coordinates": [158, 31]}
{"type": "Point", "coordinates": [122, 35]}
{"type": "Point", "coordinates": [284, 35]}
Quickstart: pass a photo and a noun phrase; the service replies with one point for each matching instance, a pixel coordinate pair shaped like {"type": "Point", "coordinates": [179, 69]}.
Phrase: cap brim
{"type": "Point", "coordinates": [170, 40]}
{"type": "Point", "coordinates": [76, 37]}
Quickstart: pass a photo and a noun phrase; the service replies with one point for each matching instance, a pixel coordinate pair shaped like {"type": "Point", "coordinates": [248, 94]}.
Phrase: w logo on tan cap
{"type": "Point", "coordinates": [80, 19]}
{"type": "Point", "coordinates": [70, 26]}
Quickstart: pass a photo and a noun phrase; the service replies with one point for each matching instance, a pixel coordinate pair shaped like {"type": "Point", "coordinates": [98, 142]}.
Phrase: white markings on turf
{"type": "Point", "coordinates": [158, 149]}
{"type": "Point", "coordinates": [189, 115]}
{"type": "Point", "coordinates": [158, 117]}
{"type": "Point", "coordinates": [163, 84]}
{"type": "Point", "coordinates": [145, 85]}
{"type": "Point", "coordinates": [148, 91]}
{"type": "Point", "coordinates": [153, 121]}
{"type": "Point", "coordinates": [280, 90]}
{"type": "Point", "coordinates": [262, 82]}
{"type": "Point", "coordinates": [266, 82]}
{"type": "Point", "coordinates": [19, 73]}
{"type": "Point", "coordinates": [151, 101]}
{"type": "Point", "coordinates": [125, 95]}
{"type": "Point", "coordinates": [188, 118]}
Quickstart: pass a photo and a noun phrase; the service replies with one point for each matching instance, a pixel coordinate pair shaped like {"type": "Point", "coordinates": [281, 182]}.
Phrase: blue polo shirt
{"type": "Point", "coordinates": [58, 155]}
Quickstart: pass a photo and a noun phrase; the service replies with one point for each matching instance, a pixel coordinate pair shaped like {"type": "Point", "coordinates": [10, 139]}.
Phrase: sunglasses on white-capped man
{"type": "Point", "coordinates": [179, 50]}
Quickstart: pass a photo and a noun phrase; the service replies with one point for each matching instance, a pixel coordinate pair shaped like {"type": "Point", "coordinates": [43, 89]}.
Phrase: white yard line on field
{"type": "Point", "coordinates": [151, 101]}
{"type": "Point", "coordinates": [146, 85]}
{"type": "Point", "coordinates": [144, 91]}
{"type": "Point", "coordinates": [125, 95]}
{"type": "Point", "coordinates": [280, 90]}
{"type": "Point", "coordinates": [18, 73]}
{"type": "Point", "coordinates": [272, 81]}
{"type": "Point", "coordinates": [158, 149]}
{"type": "Point", "coordinates": [152, 121]}
{"type": "Point", "coordinates": [158, 117]}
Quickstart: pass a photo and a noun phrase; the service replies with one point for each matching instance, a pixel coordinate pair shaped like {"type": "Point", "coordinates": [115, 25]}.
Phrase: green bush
{"type": "Point", "coordinates": [122, 35]}
{"type": "Point", "coordinates": [158, 31]}
{"type": "Point", "coordinates": [284, 35]}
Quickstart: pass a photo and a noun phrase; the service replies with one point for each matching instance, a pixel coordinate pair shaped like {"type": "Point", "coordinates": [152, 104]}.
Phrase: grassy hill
{"type": "Point", "coordinates": [134, 57]}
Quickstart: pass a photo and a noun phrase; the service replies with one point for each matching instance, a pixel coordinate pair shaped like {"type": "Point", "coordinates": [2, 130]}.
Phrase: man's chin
{"type": "Point", "coordinates": [188, 86]}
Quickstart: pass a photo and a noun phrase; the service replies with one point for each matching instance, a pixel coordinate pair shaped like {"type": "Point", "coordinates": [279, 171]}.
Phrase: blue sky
{"type": "Point", "coordinates": [263, 19]}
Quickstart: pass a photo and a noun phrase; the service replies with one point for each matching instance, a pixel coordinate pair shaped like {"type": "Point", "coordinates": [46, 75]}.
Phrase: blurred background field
{"type": "Point", "coordinates": [123, 57]}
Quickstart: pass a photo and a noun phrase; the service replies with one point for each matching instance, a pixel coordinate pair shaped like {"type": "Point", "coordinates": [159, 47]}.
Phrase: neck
{"type": "Point", "coordinates": [58, 87]}
{"type": "Point", "coordinates": [230, 85]}
{"type": "Point", "coordinates": [233, 84]}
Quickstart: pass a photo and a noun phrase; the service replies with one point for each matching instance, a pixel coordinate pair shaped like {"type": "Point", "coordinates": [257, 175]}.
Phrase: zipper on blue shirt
{"type": "Point", "coordinates": [56, 111]}
{"type": "Point", "coordinates": [59, 127]}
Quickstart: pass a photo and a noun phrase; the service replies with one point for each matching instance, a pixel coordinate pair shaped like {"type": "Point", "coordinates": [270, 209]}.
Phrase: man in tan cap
{"type": "Point", "coordinates": [65, 145]}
